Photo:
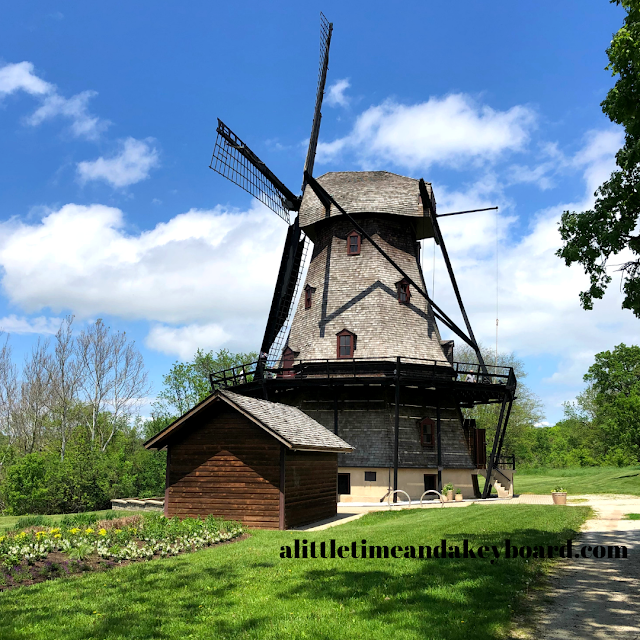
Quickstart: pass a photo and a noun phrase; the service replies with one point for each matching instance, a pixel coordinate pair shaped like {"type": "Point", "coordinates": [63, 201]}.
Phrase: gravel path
{"type": "Point", "coordinates": [598, 598]}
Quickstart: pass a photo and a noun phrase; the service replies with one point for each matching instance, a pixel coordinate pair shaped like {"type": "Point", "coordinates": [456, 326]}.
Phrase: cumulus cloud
{"type": "Point", "coordinates": [335, 96]}
{"type": "Point", "coordinates": [452, 131]}
{"type": "Point", "coordinates": [22, 325]}
{"type": "Point", "coordinates": [132, 164]}
{"type": "Point", "coordinates": [20, 77]}
{"type": "Point", "coordinates": [203, 268]}
{"type": "Point", "coordinates": [83, 123]}
{"type": "Point", "coordinates": [539, 310]}
{"type": "Point", "coordinates": [186, 340]}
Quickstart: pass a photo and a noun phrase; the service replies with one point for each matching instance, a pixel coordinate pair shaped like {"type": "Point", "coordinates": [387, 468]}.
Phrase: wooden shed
{"type": "Point", "coordinates": [264, 464]}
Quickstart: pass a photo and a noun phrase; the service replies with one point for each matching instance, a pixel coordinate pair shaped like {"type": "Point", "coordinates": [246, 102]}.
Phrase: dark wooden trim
{"type": "Point", "coordinates": [350, 235]}
{"type": "Point", "coordinates": [281, 506]}
{"type": "Point", "coordinates": [345, 332]}
{"type": "Point", "coordinates": [396, 438]}
{"type": "Point", "coordinates": [166, 482]}
{"type": "Point", "coordinates": [307, 296]}
{"type": "Point", "coordinates": [439, 445]}
{"type": "Point", "coordinates": [423, 440]}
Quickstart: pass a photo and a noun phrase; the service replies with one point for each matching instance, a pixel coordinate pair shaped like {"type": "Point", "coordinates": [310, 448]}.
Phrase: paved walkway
{"type": "Point", "coordinates": [590, 598]}
{"type": "Point", "coordinates": [593, 598]}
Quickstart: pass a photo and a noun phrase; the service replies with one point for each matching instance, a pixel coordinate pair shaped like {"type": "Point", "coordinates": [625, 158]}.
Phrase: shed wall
{"type": "Point", "coordinates": [311, 486]}
{"type": "Point", "coordinates": [225, 466]}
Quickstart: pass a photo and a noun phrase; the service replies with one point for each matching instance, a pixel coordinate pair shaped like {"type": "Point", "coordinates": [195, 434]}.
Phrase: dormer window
{"type": "Point", "coordinates": [353, 244]}
{"type": "Point", "coordinates": [346, 344]}
{"type": "Point", "coordinates": [404, 293]}
{"type": "Point", "coordinates": [427, 433]}
{"type": "Point", "coordinates": [308, 294]}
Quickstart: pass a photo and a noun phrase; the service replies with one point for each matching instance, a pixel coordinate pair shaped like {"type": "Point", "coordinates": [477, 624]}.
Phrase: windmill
{"type": "Point", "coordinates": [234, 160]}
{"type": "Point", "coordinates": [370, 295]}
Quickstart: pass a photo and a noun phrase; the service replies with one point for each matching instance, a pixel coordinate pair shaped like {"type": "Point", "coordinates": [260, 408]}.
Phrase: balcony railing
{"type": "Point", "coordinates": [364, 368]}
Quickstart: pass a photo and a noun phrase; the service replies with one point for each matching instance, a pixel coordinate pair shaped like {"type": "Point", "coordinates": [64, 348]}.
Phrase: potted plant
{"type": "Point", "coordinates": [559, 495]}
{"type": "Point", "coordinates": [447, 490]}
{"type": "Point", "coordinates": [458, 495]}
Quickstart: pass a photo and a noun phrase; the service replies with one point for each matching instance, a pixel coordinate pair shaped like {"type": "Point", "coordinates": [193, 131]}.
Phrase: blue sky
{"type": "Point", "coordinates": [107, 122]}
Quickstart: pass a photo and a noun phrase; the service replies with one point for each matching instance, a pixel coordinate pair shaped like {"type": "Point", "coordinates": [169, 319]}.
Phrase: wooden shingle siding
{"type": "Point", "coordinates": [228, 467]}
{"type": "Point", "coordinates": [310, 487]}
{"type": "Point", "coordinates": [359, 293]}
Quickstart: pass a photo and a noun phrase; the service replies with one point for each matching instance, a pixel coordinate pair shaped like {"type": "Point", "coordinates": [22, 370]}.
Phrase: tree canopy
{"type": "Point", "coordinates": [591, 237]}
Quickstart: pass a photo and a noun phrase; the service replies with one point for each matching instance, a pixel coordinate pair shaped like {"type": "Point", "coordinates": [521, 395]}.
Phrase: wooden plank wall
{"type": "Point", "coordinates": [311, 485]}
{"type": "Point", "coordinates": [225, 466]}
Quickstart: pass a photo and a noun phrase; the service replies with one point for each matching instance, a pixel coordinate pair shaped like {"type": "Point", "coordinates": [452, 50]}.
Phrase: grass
{"type": "Point", "coordinates": [245, 590]}
{"type": "Point", "coordinates": [632, 516]}
{"type": "Point", "coordinates": [581, 480]}
{"type": "Point", "coordinates": [21, 522]}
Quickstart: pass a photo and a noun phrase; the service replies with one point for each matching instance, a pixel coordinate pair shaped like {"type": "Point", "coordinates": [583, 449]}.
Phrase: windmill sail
{"type": "Point", "coordinates": [326, 28]}
{"type": "Point", "coordinates": [286, 291]}
{"type": "Point", "coordinates": [233, 159]}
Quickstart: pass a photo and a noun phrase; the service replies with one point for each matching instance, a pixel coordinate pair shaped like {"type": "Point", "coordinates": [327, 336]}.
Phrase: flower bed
{"type": "Point", "coordinates": [42, 553]}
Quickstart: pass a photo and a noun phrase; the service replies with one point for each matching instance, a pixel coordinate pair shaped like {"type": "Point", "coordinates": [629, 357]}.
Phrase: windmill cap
{"type": "Point", "coordinates": [368, 192]}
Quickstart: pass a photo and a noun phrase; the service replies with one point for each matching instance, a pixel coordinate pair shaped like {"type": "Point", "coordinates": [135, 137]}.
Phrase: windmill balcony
{"type": "Point", "coordinates": [468, 379]}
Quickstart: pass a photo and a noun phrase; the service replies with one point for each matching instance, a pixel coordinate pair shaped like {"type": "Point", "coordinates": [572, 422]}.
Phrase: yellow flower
{"type": "Point", "coordinates": [74, 530]}
{"type": "Point", "coordinates": [54, 530]}
{"type": "Point", "coordinates": [2, 538]}
{"type": "Point", "coordinates": [57, 535]}
{"type": "Point", "coordinates": [89, 530]}
{"type": "Point", "coordinates": [103, 532]}
{"type": "Point", "coordinates": [116, 530]}
{"type": "Point", "coordinates": [40, 533]}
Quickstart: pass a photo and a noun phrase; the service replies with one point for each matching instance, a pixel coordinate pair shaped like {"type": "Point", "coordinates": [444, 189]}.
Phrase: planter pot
{"type": "Point", "coordinates": [559, 497]}
{"type": "Point", "coordinates": [449, 495]}
{"type": "Point", "coordinates": [458, 497]}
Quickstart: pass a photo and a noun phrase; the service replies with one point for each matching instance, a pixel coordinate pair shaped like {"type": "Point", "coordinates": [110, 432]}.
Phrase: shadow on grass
{"type": "Point", "coordinates": [239, 593]}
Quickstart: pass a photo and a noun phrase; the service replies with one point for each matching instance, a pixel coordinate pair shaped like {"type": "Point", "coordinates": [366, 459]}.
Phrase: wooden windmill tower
{"type": "Point", "coordinates": [361, 351]}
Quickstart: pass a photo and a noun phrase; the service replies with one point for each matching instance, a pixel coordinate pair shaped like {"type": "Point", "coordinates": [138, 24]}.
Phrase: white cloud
{"type": "Point", "coordinates": [83, 124]}
{"type": "Point", "coordinates": [13, 324]}
{"type": "Point", "coordinates": [204, 268]}
{"type": "Point", "coordinates": [20, 77]}
{"type": "Point", "coordinates": [132, 164]}
{"type": "Point", "coordinates": [453, 131]}
{"type": "Point", "coordinates": [539, 309]}
{"type": "Point", "coordinates": [335, 96]}
{"type": "Point", "coordinates": [185, 341]}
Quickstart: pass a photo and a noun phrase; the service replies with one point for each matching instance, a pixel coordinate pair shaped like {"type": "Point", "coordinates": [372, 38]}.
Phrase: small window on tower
{"type": "Point", "coordinates": [427, 432]}
{"type": "Point", "coordinates": [308, 292]}
{"type": "Point", "coordinates": [353, 244]}
{"type": "Point", "coordinates": [404, 293]}
{"type": "Point", "coordinates": [346, 344]}
{"type": "Point", "coordinates": [369, 476]}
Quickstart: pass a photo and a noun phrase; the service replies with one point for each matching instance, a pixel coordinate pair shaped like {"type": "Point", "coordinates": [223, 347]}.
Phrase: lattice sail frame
{"type": "Point", "coordinates": [278, 345]}
{"type": "Point", "coordinates": [233, 159]}
{"type": "Point", "coordinates": [326, 29]}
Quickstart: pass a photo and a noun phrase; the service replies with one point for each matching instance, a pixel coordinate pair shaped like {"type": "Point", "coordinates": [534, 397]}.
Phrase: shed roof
{"type": "Point", "coordinates": [368, 192]}
{"type": "Point", "coordinates": [291, 426]}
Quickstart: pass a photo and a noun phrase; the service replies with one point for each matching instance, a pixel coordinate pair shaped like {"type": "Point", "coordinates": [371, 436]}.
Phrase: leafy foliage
{"type": "Point", "coordinates": [187, 383]}
{"type": "Point", "coordinates": [591, 237]}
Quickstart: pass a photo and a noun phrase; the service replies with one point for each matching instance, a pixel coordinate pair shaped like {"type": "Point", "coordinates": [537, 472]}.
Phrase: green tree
{"type": "Point", "coordinates": [590, 238]}
{"type": "Point", "coordinates": [615, 377]}
{"type": "Point", "coordinates": [187, 383]}
{"type": "Point", "coordinates": [520, 438]}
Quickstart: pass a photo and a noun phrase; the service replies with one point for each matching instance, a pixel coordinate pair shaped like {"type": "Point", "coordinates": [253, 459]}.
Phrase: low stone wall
{"type": "Point", "coordinates": [139, 504]}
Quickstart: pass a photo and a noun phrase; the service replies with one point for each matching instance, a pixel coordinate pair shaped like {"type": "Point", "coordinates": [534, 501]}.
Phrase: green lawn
{"type": "Point", "coordinates": [625, 480]}
{"type": "Point", "coordinates": [245, 590]}
{"type": "Point", "coordinates": [9, 522]}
